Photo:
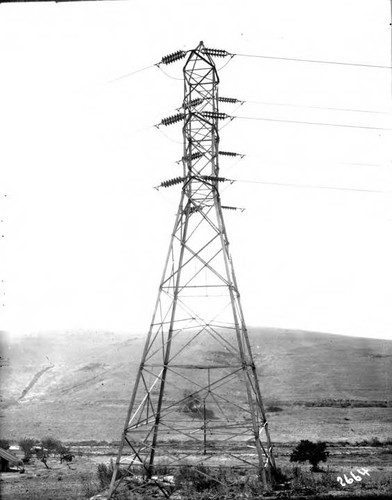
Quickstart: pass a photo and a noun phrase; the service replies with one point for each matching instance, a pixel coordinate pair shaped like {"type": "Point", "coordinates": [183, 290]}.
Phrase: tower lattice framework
{"type": "Point", "coordinates": [196, 397]}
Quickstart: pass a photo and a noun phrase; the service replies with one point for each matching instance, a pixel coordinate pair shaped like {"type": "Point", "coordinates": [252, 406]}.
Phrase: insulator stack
{"type": "Point", "coordinates": [231, 100]}
{"type": "Point", "coordinates": [172, 182]}
{"type": "Point", "coordinates": [229, 153]}
{"type": "Point", "coordinates": [180, 54]}
{"type": "Point", "coordinates": [191, 157]}
{"type": "Point", "coordinates": [215, 114]}
{"type": "Point", "coordinates": [172, 119]}
{"type": "Point", "coordinates": [216, 52]}
{"type": "Point", "coordinates": [196, 102]}
{"type": "Point", "coordinates": [192, 210]}
{"type": "Point", "coordinates": [225, 207]}
{"type": "Point", "coordinates": [213, 178]}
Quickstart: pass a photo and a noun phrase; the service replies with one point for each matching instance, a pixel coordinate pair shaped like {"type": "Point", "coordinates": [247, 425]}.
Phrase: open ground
{"type": "Point", "coordinates": [76, 387]}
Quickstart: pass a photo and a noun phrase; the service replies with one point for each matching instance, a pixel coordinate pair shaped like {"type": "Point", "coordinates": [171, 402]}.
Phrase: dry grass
{"type": "Point", "coordinates": [88, 477]}
{"type": "Point", "coordinates": [95, 394]}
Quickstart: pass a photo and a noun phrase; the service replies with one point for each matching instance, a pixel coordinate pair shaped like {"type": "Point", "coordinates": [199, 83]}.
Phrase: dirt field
{"type": "Point", "coordinates": [79, 480]}
{"type": "Point", "coordinates": [77, 387]}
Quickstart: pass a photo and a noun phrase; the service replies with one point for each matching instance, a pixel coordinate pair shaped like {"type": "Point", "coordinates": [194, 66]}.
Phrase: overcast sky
{"type": "Point", "coordinates": [85, 233]}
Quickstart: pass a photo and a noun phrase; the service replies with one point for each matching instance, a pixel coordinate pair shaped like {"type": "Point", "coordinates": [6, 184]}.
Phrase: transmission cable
{"type": "Point", "coordinates": [309, 123]}
{"type": "Point", "coordinates": [130, 74]}
{"type": "Point", "coordinates": [258, 56]}
{"type": "Point", "coordinates": [179, 117]}
{"type": "Point", "coordinates": [224, 66]}
{"type": "Point", "coordinates": [167, 74]}
{"type": "Point", "coordinates": [167, 137]}
{"type": "Point", "coordinates": [309, 186]}
{"type": "Point", "coordinates": [317, 61]}
{"type": "Point", "coordinates": [283, 104]}
{"type": "Point", "coordinates": [315, 161]}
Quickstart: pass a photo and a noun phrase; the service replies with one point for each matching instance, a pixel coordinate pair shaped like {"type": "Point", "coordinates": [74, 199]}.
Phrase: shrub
{"type": "Point", "coordinates": [53, 445]}
{"type": "Point", "coordinates": [105, 473]}
{"type": "Point", "coordinates": [162, 469]}
{"type": "Point", "coordinates": [278, 475]}
{"type": "Point", "coordinates": [301, 484]}
{"type": "Point", "coordinates": [198, 478]}
{"type": "Point", "coordinates": [5, 444]}
{"type": "Point", "coordinates": [26, 445]}
{"type": "Point", "coordinates": [311, 452]}
{"type": "Point", "coordinates": [343, 443]}
{"type": "Point", "coordinates": [89, 486]}
{"type": "Point", "coordinates": [375, 442]}
{"type": "Point", "coordinates": [327, 482]}
{"type": "Point", "coordinates": [274, 409]}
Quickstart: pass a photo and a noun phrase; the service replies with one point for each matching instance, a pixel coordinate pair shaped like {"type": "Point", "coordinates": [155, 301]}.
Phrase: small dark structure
{"type": "Point", "coordinates": [66, 457]}
{"type": "Point", "coordinates": [9, 462]}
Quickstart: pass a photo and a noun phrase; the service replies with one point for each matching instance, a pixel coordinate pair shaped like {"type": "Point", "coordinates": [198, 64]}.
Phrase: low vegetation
{"type": "Point", "coordinates": [26, 445]}
{"type": "Point", "coordinates": [220, 483]}
{"type": "Point", "coordinates": [5, 444]}
{"type": "Point", "coordinates": [104, 474]}
{"type": "Point", "coordinates": [200, 478]}
{"type": "Point", "coordinates": [345, 403]}
{"type": "Point", "coordinates": [84, 478]}
{"type": "Point", "coordinates": [314, 453]}
{"type": "Point", "coordinates": [54, 446]}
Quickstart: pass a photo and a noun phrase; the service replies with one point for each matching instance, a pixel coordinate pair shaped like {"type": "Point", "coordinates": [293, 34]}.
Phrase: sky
{"type": "Point", "coordinates": [84, 232]}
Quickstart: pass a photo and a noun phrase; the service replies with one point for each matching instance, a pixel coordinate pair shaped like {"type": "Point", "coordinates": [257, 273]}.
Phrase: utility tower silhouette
{"type": "Point", "coordinates": [196, 397]}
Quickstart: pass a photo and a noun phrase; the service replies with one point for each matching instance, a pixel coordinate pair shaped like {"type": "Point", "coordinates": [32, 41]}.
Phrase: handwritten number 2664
{"type": "Point", "coordinates": [349, 480]}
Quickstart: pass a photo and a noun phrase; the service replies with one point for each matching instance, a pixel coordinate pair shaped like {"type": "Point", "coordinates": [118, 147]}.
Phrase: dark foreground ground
{"type": "Point", "coordinates": [79, 480]}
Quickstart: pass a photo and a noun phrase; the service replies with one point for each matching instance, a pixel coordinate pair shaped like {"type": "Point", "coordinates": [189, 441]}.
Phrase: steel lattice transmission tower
{"type": "Point", "coordinates": [196, 396]}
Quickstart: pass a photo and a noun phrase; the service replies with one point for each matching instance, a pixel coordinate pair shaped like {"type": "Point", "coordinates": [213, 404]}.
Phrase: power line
{"type": "Point", "coordinates": [178, 180]}
{"type": "Point", "coordinates": [132, 73]}
{"type": "Point", "coordinates": [266, 103]}
{"type": "Point", "coordinates": [309, 186]}
{"type": "Point", "coordinates": [315, 162]}
{"type": "Point", "coordinates": [310, 123]}
{"type": "Point", "coordinates": [167, 74]}
{"type": "Point", "coordinates": [260, 56]}
{"type": "Point", "coordinates": [317, 61]}
{"type": "Point", "coordinates": [366, 164]}
{"type": "Point", "coordinates": [179, 117]}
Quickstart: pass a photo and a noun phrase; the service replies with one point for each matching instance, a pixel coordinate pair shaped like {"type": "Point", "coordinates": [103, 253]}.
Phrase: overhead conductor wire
{"type": "Point", "coordinates": [311, 123]}
{"type": "Point", "coordinates": [181, 54]}
{"type": "Point", "coordinates": [131, 73]}
{"type": "Point", "coordinates": [316, 61]}
{"type": "Point", "coordinates": [310, 186]}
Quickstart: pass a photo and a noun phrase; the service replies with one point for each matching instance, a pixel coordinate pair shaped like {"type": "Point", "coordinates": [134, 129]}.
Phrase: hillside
{"type": "Point", "coordinates": [77, 385]}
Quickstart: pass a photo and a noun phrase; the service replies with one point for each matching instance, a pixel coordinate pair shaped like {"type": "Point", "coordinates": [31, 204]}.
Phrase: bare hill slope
{"type": "Point", "coordinates": [77, 385]}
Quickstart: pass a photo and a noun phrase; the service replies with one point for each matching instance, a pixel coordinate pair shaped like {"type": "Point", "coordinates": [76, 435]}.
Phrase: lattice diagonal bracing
{"type": "Point", "coordinates": [196, 397]}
